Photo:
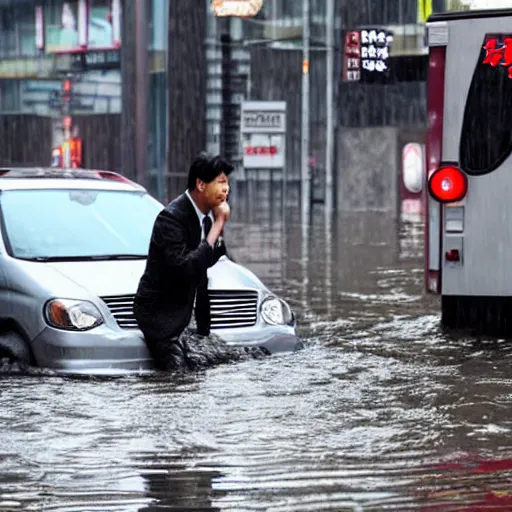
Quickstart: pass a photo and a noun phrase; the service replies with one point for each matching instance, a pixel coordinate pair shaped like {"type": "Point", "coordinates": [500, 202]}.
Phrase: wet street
{"type": "Point", "coordinates": [381, 411]}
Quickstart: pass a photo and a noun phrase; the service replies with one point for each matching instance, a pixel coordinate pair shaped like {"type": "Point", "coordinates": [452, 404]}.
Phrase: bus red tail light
{"type": "Point", "coordinates": [448, 184]}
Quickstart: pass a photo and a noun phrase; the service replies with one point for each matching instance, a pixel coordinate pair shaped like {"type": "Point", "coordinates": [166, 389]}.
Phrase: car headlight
{"type": "Point", "coordinates": [72, 315]}
{"type": "Point", "coordinates": [276, 311]}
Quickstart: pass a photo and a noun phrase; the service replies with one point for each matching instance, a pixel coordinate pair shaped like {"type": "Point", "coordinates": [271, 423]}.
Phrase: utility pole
{"type": "Point", "coordinates": [329, 139]}
{"type": "Point", "coordinates": [305, 180]}
{"type": "Point", "coordinates": [67, 121]}
{"type": "Point", "coordinates": [142, 91]}
{"type": "Point", "coordinates": [274, 20]}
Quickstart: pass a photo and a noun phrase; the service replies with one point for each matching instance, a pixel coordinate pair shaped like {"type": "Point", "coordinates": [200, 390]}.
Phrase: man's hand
{"type": "Point", "coordinates": [221, 213]}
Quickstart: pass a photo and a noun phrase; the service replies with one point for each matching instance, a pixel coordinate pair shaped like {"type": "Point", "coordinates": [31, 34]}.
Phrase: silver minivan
{"type": "Point", "coordinates": [73, 248]}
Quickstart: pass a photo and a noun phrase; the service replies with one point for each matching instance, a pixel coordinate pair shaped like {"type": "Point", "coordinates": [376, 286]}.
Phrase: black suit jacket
{"type": "Point", "coordinates": [177, 262]}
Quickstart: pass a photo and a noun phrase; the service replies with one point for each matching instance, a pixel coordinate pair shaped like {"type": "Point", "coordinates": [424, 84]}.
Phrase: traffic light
{"type": "Point", "coordinates": [67, 90]}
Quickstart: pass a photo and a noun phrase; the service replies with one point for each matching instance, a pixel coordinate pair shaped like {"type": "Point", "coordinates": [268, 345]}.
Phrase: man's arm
{"type": "Point", "coordinates": [171, 236]}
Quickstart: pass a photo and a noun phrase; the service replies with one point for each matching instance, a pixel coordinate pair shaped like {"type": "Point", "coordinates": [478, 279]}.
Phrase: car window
{"type": "Point", "coordinates": [77, 223]}
{"type": "Point", "coordinates": [486, 138]}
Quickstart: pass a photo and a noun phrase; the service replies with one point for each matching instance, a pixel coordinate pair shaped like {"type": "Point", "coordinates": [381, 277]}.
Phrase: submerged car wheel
{"type": "Point", "coordinates": [14, 348]}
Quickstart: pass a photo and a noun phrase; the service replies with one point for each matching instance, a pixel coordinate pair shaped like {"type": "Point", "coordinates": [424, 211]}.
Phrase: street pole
{"type": "Point", "coordinates": [329, 139]}
{"type": "Point", "coordinates": [142, 91]}
{"type": "Point", "coordinates": [67, 122]}
{"type": "Point", "coordinates": [305, 181]}
{"type": "Point", "coordinates": [274, 19]}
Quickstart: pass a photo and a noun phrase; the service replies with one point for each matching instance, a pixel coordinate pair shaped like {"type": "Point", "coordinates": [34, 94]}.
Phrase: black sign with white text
{"type": "Point", "coordinates": [366, 55]}
{"type": "Point", "coordinates": [375, 48]}
{"type": "Point", "coordinates": [106, 59]}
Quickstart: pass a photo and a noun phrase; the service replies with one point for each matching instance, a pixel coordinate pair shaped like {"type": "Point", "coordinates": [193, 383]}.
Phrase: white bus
{"type": "Point", "coordinates": [468, 241]}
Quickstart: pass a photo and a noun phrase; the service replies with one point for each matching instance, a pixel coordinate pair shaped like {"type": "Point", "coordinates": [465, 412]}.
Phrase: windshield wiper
{"type": "Point", "coordinates": [102, 257]}
{"type": "Point", "coordinates": [108, 257]}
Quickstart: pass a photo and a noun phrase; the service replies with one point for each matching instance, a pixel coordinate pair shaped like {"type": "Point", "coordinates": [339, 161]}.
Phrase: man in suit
{"type": "Point", "coordinates": [185, 241]}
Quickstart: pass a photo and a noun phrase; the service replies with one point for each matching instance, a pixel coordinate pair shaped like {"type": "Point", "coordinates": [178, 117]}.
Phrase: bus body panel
{"type": "Point", "coordinates": [479, 226]}
{"type": "Point", "coordinates": [485, 268]}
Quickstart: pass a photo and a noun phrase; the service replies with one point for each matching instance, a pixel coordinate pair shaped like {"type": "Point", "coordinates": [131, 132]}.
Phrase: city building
{"type": "Point", "coordinates": [62, 77]}
{"type": "Point", "coordinates": [260, 58]}
{"type": "Point", "coordinates": [144, 85]}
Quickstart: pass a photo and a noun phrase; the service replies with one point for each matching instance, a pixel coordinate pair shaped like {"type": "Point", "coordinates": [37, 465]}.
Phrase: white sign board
{"type": "Point", "coordinates": [263, 129]}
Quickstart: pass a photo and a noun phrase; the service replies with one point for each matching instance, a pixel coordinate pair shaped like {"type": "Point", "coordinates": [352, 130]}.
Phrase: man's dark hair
{"type": "Point", "coordinates": [207, 168]}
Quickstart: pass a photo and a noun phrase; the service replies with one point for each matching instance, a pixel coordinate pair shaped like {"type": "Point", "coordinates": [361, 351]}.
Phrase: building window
{"type": "Point", "coordinates": [394, 12]}
{"type": "Point", "coordinates": [17, 32]}
{"type": "Point", "coordinates": [10, 96]}
{"type": "Point", "coordinates": [61, 25]}
{"type": "Point", "coordinates": [100, 24]}
{"type": "Point", "coordinates": [158, 14]}
{"type": "Point", "coordinates": [64, 17]}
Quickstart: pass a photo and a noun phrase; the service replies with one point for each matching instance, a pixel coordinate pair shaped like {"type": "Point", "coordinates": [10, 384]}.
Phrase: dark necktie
{"type": "Point", "coordinates": [207, 225]}
{"type": "Point", "coordinates": [202, 299]}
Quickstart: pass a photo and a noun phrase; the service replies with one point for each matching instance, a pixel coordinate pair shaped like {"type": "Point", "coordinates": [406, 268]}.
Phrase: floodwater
{"type": "Point", "coordinates": [380, 411]}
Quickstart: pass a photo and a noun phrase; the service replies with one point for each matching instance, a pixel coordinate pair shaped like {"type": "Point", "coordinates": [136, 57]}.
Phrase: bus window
{"type": "Point", "coordinates": [486, 139]}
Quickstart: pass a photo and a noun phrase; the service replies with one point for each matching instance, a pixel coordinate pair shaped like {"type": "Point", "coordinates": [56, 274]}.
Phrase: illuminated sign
{"type": "Point", "coordinates": [413, 167]}
{"type": "Point", "coordinates": [366, 55]}
{"type": "Point", "coordinates": [237, 8]}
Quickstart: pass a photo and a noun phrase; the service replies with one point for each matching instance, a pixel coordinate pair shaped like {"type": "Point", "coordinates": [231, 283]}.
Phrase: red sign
{"type": "Point", "coordinates": [498, 52]}
{"type": "Point", "coordinates": [261, 150]}
{"type": "Point", "coordinates": [352, 59]}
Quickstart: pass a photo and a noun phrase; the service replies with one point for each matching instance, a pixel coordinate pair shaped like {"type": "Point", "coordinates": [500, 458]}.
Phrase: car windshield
{"type": "Point", "coordinates": [77, 224]}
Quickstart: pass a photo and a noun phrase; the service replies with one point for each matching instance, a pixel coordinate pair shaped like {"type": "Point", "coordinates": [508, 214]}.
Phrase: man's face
{"type": "Point", "coordinates": [216, 191]}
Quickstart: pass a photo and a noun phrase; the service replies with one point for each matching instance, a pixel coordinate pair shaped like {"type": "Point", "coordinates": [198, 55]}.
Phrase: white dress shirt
{"type": "Point", "coordinates": [200, 214]}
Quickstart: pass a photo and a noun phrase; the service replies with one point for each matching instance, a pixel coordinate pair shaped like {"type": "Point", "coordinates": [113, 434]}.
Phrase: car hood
{"type": "Point", "coordinates": [103, 278]}
{"type": "Point", "coordinates": [109, 278]}
{"type": "Point", "coordinates": [228, 275]}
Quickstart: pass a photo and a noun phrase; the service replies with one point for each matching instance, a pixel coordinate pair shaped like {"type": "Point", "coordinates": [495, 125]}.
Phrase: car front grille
{"type": "Point", "coordinates": [229, 309]}
{"type": "Point", "coordinates": [121, 307]}
{"type": "Point", "coordinates": [233, 308]}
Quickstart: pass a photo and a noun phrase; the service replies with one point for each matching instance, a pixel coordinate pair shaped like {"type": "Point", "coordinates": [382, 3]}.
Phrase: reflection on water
{"type": "Point", "coordinates": [175, 488]}
{"type": "Point", "coordinates": [381, 411]}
